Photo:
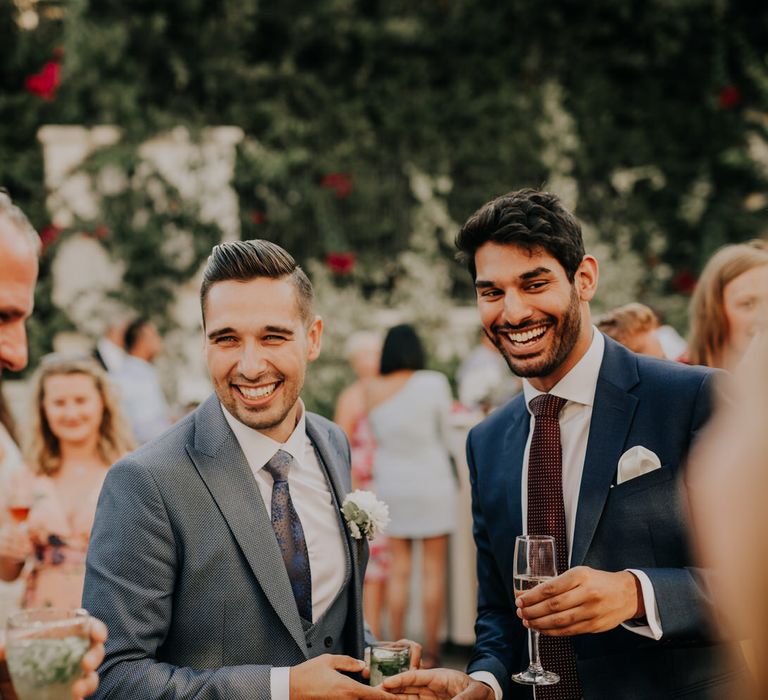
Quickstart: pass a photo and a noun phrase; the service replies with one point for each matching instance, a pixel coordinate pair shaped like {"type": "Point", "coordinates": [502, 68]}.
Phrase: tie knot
{"type": "Point", "coordinates": [278, 466]}
{"type": "Point", "coordinates": [547, 406]}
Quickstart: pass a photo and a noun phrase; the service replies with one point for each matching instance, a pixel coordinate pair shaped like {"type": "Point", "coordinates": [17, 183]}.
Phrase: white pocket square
{"type": "Point", "coordinates": [636, 461]}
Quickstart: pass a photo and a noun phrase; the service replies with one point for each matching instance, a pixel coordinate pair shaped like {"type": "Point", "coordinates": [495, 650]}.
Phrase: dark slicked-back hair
{"type": "Point", "coordinates": [402, 349]}
{"type": "Point", "coordinates": [528, 218]}
{"type": "Point", "coordinates": [243, 261]}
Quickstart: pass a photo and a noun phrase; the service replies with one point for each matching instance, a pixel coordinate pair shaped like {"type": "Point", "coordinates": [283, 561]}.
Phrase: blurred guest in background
{"type": "Point", "coordinates": [141, 395]}
{"type": "Point", "coordinates": [729, 297]}
{"type": "Point", "coordinates": [408, 411]}
{"type": "Point", "coordinates": [76, 433]}
{"type": "Point", "coordinates": [727, 483]}
{"type": "Point", "coordinates": [634, 326]}
{"type": "Point", "coordinates": [484, 380]}
{"type": "Point", "coordinates": [363, 352]}
{"type": "Point", "coordinates": [110, 348]}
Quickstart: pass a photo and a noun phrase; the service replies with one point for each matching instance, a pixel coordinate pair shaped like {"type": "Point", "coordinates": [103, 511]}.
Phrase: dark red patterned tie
{"type": "Point", "coordinates": [546, 516]}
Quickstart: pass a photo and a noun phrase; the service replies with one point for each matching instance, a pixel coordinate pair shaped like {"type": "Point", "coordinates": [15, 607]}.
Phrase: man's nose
{"type": "Point", "coordinates": [13, 346]}
{"type": "Point", "coordinates": [516, 309]}
{"type": "Point", "coordinates": [252, 361]}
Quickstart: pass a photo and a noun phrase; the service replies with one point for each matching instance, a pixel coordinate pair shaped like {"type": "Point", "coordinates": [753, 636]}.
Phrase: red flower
{"type": "Point", "coordinates": [49, 235]}
{"type": "Point", "coordinates": [100, 232]}
{"type": "Point", "coordinates": [44, 83]}
{"type": "Point", "coordinates": [729, 97]}
{"type": "Point", "coordinates": [258, 217]}
{"type": "Point", "coordinates": [341, 263]}
{"type": "Point", "coordinates": [684, 281]}
{"type": "Point", "coordinates": [341, 183]}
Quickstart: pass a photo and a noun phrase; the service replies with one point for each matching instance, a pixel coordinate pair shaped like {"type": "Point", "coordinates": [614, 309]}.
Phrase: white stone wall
{"type": "Point", "coordinates": [83, 272]}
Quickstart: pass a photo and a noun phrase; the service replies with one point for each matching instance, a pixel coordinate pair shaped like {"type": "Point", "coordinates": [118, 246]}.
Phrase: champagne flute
{"type": "Point", "coordinates": [535, 563]}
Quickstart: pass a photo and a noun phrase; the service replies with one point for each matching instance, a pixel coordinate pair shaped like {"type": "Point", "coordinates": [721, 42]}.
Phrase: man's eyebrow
{"type": "Point", "coordinates": [220, 331]}
{"type": "Point", "coordinates": [535, 273]}
{"type": "Point", "coordinates": [484, 284]}
{"type": "Point", "coordinates": [541, 270]}
{"type": "Point", "coordinates": [282, 330]}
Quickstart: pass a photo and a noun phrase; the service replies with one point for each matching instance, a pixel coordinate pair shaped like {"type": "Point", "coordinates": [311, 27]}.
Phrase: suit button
{"type": "Point", "coordinates": [328, 641]}
{"type": "Point", "coordinates": [309, 645]}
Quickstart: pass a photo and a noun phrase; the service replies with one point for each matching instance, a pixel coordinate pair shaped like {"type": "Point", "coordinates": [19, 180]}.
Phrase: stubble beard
{"type": "Point", "coordinates": [566, 331]}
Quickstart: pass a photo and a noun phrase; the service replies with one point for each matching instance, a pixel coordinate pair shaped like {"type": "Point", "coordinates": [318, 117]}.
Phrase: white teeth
{"type": "Point", "coordinates": [527, 336]}
{"type": "Point", "coordinates": [258, 393]}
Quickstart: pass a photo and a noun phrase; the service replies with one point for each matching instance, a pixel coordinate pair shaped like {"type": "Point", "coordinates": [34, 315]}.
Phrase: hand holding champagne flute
{"type": "Point", "coordinates": [534, 563]}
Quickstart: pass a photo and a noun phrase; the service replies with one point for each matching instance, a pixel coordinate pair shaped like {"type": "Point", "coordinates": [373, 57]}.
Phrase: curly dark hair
{"type": "Point", "coordinates": [528, 218]}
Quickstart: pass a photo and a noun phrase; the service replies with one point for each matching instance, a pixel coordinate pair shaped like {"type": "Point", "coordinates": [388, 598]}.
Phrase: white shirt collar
{"type": "Point", "coordinates": [259, 448]}
{"type": "Point", "coordinates": [580, 383]}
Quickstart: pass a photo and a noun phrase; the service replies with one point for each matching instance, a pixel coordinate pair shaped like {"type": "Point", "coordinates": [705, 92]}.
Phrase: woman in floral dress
{"type": "Point", "coordinates": [76, 433]}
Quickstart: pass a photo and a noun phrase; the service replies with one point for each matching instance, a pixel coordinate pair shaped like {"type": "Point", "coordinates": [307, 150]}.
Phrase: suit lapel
{"type": "Point", "coordinates": [225, 471]}
{"type": "Point", "coordinates": [329, 459]}
{"type": "Point", "coordinates": [514, 452]}
{"type": "Point", "coordinates": [612, 414]}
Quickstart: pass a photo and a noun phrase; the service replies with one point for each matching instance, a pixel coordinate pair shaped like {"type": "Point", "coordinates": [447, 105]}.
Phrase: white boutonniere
{"type": "Point", "coordinates": [365, 514]}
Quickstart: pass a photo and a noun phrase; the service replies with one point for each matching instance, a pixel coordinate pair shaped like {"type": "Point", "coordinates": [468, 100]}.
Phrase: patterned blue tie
{"type": "Point", "coordinates": [290, 534]}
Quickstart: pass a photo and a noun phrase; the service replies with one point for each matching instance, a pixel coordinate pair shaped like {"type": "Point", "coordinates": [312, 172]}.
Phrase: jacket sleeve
{"type": "Point", "coordinates": [129, 584]}
{"type": "Point", "coordinates": [499, 634]}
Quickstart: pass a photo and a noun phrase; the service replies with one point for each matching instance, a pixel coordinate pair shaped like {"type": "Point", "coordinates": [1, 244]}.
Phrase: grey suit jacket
{"type": "Point", "coordinates": [184, 568]}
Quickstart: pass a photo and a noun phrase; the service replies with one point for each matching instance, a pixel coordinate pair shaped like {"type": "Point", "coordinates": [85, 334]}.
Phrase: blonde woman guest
{"type": "Point", "coordinates": [634, 326]}
{"type": "Point", "coordinates": [408, 411]}
{"type": "Point", "coordinates": [76, 433]}
{"type": "Point", "coordinates": [728, 300]}
{"type": "Point", "coordinates": [363, 352]}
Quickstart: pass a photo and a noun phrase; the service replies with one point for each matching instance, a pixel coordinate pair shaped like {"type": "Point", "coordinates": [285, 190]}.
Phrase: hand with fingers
{"type": "Point", "coordinates": [580, 601]}
{"type": "Point", "coordinates": [437, 684]}
{"type": "Point", "coordinates": [89, 682]}
{"type": "Point", "coordinates": [322, 677]}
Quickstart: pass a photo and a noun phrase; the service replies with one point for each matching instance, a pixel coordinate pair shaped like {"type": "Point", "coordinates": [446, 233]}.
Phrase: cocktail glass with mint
{"type": "Point", "coordinates": [43, 652]}
{"type": "Point", "coordinates": [387, 659]}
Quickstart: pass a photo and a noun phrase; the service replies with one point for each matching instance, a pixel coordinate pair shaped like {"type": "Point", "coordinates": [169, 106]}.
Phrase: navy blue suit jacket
{"type": "Point", "coordinates": [639, 524]}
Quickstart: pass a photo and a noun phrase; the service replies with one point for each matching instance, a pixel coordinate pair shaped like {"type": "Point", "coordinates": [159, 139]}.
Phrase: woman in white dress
{"type": "Point", "coordinates": [408, 409]}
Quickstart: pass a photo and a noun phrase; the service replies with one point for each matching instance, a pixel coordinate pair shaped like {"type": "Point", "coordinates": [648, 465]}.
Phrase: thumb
{"type": "Point", "coordinates": [346, 663]}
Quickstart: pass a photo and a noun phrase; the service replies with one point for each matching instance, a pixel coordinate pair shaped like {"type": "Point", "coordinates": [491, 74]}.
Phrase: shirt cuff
{"type": "Point", "coordinates": [280, 682]}
{"type": "Point", "coordinates": [489, 679]}
{"type": "Point", "coordinates": [652, 627]}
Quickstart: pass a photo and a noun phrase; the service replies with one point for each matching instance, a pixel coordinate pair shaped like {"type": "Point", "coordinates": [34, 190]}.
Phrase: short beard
{"type": "Point", "coordinates": [566, 331]}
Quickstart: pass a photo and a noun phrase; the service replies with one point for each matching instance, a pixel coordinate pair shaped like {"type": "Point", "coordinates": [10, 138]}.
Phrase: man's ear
{"type": "Point", "coordinates": [586, 278]}
{"type": "Point", "coordinates": [314, 336]}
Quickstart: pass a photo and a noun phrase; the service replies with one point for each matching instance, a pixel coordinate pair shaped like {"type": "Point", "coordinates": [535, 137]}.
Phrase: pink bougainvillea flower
{"type": "Point", "coordinates": [729, 97]}
{"type": "Point", "coordinates": [341, 263]}
{"type": "Point", "coordinates": [340, 183]}
{"type": "Point", "coordinates": [45, 83]}
{"type": "Point", "coordinates": [49, 235]}
{"type": "Point", "coordinates": [684, 281]}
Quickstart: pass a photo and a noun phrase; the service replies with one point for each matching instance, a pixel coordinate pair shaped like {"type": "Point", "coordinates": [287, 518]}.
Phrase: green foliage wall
{"type": "Point", "coordinates": [339, 99]}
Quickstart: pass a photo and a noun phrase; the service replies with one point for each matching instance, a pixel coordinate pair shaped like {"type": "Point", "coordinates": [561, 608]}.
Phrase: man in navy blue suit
{"type": "Point", "coordinates": [628, 610]}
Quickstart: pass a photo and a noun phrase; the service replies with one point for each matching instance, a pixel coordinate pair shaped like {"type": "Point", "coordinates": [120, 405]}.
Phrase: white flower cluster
{"type": "Point", "coordinates": [365, 514]}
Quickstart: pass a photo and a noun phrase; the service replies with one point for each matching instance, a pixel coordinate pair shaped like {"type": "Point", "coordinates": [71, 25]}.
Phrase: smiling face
{"type": "Point", "coordinates": [73, 408]}
{"type": "Point", "coordinates": [534, 315]}
{"type": "Point", "coordinates": [745, 303]}
{"type": "Point", "coordinates": [257, 350]}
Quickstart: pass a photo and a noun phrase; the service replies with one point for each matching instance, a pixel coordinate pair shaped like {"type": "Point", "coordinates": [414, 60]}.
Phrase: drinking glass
{"type": "Point", "coordinates": [387, 659]}
{"type": "Point", "coordinates": [535, 563]}
{"type": "Point", "coordinates": [19, 500]}
{"type": "Point", "coordinates": [43, 651]}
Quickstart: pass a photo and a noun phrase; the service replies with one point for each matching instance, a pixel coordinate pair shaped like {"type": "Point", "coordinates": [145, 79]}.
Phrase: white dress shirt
{"type": "Point", "coordinates": [578, 388]}
{"type": "Point", "coordinates": [312, 498]}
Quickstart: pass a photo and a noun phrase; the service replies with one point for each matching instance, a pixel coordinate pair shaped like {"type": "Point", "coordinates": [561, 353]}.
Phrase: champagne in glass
{"type": "Point", "coordinates": [534, 563]}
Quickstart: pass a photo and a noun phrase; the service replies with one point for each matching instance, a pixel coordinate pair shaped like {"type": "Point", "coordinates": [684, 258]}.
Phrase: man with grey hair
{"type": "Point", "coordinates": [219, 555]}
{"type": "Point", "coordinates": [19, 250]}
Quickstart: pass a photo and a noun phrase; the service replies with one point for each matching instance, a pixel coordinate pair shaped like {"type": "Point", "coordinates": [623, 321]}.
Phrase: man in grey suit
{"type": "Point", "coordinates": [219, 557]}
